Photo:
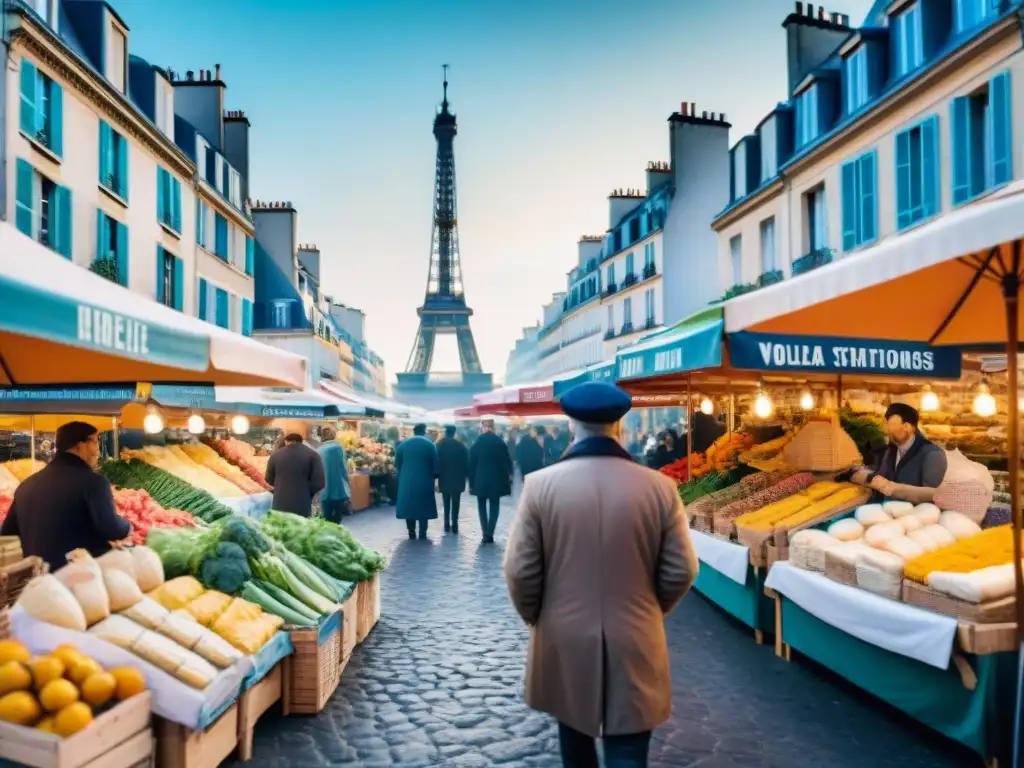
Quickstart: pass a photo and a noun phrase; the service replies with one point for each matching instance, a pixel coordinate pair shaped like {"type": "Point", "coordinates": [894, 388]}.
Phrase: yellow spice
{"type": "Point", "coordinates": [991, 547]}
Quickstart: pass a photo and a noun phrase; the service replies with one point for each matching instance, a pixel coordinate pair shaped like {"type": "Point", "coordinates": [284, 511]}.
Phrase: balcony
{"type": "Point", "coordinates": [629, 280]}
{"type": "Point", "coordinates": [627, 328]}
{"type": "Point", "coordinates": [816, 258]}
{"type": "Point", "coordinates": [650, 270]}
{"type": "Point", "coordinates": [649, 323]}
{"type": "Point", "coordinates": [610, 290]}
{"type": "Point", "coordinates": [770, 278]}
{"type": "Point", "coordinates": [609, 334]}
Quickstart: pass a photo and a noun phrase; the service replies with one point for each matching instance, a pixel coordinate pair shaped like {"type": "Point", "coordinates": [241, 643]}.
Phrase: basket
{"type": "Point", "coordinates": [840, 571]}
{"type": "Point", "coordinates": [702, 522]}
{"type": "Point", "coordinates": [368, 606]}
{"type": "Point", "coordinates": [821, 446]}
{"type": "Point", "coordinates": [13, 578]}
{"type": "Point", "coordinates": [5, 623]}
{"type": "Point", "coordinates": [10, 550]}
{"type": "Point", "coordinates": [314, 669]}
{"type": "Point", "coordinates": [994, 612]}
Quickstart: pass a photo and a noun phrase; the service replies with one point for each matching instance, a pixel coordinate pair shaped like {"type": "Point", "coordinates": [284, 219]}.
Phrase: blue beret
{"type": "Point", "coordinates": [596, 402]}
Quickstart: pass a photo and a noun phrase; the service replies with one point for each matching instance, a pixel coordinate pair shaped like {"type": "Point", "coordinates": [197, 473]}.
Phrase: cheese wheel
{"type": "Point", "coordinates": [877, 534]}
{"type": "Point", "coordinates": [846, 530]}
{"type": "Point", "coordinates": [871, 514]}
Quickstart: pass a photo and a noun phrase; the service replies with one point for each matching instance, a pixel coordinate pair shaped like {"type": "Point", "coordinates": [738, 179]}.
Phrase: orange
{"type": "Point", "coordinates": [44, 669]}
{"type": "Point", "coordinates": [82, 670]}
{"type": "Point", "coordinates": [68, 654]}
{"type": "Point", "coordinates": [19, 707]}
{"type": "Point", "coordinates": [98, 688]}
{"type": "Point", "coordinates": [129, 682]}
{"type": "Point", "coordinates": [46, 725]}
{"type": "Point", "coordinates": [58, 694]}
{"type": "Point", "coordinates": [14, 677]}
{"type": "Point", "coordinates": [72, 719]}
{"type": "Point", "coordinates": [12, 650]}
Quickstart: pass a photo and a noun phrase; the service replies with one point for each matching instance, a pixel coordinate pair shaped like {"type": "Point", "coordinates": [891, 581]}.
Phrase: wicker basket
{"type": "Point", "coordinates": [314, 669]}
{"type": "Point", "coordinates": [13, 578]}
{"type": "Point", "coordinates": [994, 612]}
{"type": "Point", "coordinates": [822, 446]}
{"type": "Point", "coordinates": [10, 550]}
{"type": "Point", "coordinates": [5, 623]}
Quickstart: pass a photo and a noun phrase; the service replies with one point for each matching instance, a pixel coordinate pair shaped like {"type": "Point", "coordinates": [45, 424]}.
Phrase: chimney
{"type": "Point", "coordinates": [236, 144]}
{"type": "Point", "coordinates": [589, 247]}
{"type": "Point", "coordinates": [309, 258]}
{"type": "Point", "coordinates": [658, 172]}
{"type": "Point", "coordinates": [812, 35]}
{"type": "Point", "coordinates": [200, 100]}
{"type": "Point", "coordinates": [621, 202]}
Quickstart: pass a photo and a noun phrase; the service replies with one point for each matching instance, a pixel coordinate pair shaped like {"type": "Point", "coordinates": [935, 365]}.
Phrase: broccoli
{"type": "Point", "coordinates": [246, 534]}
{"type": "Point", "coordinates": [226, 569]}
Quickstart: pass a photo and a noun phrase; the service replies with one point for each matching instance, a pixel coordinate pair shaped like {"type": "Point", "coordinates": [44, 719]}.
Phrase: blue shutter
{"type": "Point", "coordinates": [250, 255]}
{"type": "Point", "coordinates": [62, 221]}
{"type": "Point", "coordinates": [161, 296]}
{"type": "Point", "coordinates": [246, 317]}
{"type": "Point", "coordinates": [221, 236]}
{"type": "Point", "coordinates": [176, 204]}
{"type": "Point", "coordinates": [161, 195]}
{"type": "Point", "coordinates": [930, 166]}
{"type": "Point", "coordinates": [904, 180]}
{"type": "Point", "coordinates": [122, 164]}
{"type": "Point", "coordinates": [849, 190]}
{"type": "Point", "coordinates": [178, 276]}
{"type": "Point", "coordinates": [203, 308]}
{"type": "Point", "coordinates": [868, 198]}
{"type": "Point", "coordinates": [24, 198]}
{"type": "Point", "coordinates": [223, 312]}
{"type": "Point", "coordinates": [106, 149]}
{"type": "Point", "coordinates": [122, 252]}
{"type": "Point", "coordinates": [199, 223]}
{"type": "Point", "coordinates": [102, 236]}
{"type": "Point", "coordinates": [961, 146]}
{"type": "Point", "coordinates": [56, 119]}
{"type": "Point", "coordinates": [29, 84]}
{"type": "Point", "coordinates": [1002, 146]}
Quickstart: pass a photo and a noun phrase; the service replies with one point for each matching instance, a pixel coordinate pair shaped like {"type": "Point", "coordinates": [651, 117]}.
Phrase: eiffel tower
{"type": "Point", "coordinates": [444, 309]}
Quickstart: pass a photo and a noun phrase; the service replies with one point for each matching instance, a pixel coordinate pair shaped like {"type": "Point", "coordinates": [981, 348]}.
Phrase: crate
{"type": "Point", "coordinates": [994, 612]}
{"type": "Point", "coordinates": [10, 550]}
{"type": "Point", "coordinates": [840, 571]}
{"type": "Point", "coordinates": [368, 610]}
{"type": "Point", "coordinates": [181, 747]}
{"type": "Point", "coordinates": [14, 577]}
{"type": "Point", "coordinates": [359, 486]}
{"type": "Point", "coordinates": [119, 738]}
{"type": "Point", "coordinates": [253, 703]}
{"type": "Point", "coordinates": [349, 623]}
{"type": "Point", "coordinates": [312, 672]}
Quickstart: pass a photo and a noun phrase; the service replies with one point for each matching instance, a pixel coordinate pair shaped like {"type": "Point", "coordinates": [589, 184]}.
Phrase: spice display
{"type": "Point", "coordinates": [987, 548]}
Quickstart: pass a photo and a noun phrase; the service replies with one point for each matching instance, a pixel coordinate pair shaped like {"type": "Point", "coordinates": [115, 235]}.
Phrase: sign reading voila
{"type": "Point", "coordinates": [771, 352]}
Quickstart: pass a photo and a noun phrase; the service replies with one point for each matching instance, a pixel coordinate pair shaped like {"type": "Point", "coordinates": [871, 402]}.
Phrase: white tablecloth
{"type": "Point", "coordinates": [897, 627]}
{"type": "Point", "coordinates": [256, 505]}
{"type": "Point", "coordinates": [728, 558]}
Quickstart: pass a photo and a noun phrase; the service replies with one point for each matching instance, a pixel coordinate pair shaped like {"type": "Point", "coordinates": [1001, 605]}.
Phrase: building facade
{"type": "Point", "coordinates": [521, 366]}
{"type": "Point", "coordinates": [918, 111]}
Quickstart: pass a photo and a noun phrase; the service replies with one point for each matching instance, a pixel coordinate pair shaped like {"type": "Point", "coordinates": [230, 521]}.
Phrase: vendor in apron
{"type": "Point", "coordinates": [910, 467]}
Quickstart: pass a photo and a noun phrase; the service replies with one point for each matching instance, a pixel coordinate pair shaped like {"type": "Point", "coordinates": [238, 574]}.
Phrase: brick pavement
{"type": "Point", "coordinates": [439, 683]}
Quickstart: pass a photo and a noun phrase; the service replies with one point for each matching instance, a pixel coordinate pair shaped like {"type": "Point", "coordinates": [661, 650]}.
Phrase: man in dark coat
{"type": "Point", "coordinates": [296, 473]}
{"type": "Point", "coordinates": [490, 477]}
{"type": "Point", "coordinates": [67, 505]}
{"type": "Point", "coordinates": [529, 454]}
{"type": "Point", "coordinates": [706, 429]}
{"type": "Point", "coordinates": [557, 443]}
{"type": "Point", "coordinates": [454, 461]}
{"type": "Point", "coordinates": [418, 465]}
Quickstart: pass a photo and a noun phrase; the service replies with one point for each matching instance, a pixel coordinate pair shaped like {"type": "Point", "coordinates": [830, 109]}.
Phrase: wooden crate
{"type": "Point", "coordinates": [181, 747]}
{"type": "Point", "coordinates": [312, 672]}
{"type": "Point", "coordinates": [119, 738]}
{"type": "Point", "coordinates": [359, 486]}
{"type": "Point", "coordinates": [10, 550]}
{"type": "Point", "coordinates": [253, 703]}
{"type": "Point", "coordinates": [368, 611]}
{"type": "Point", "coordinates": [985, 639]}
{"type": "Point", "coordinates": [995, 612]}
{"type": "Point", "coordinates": [349, 624]}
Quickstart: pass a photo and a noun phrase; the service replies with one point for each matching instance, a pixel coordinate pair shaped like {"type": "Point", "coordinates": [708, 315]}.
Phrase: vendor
{"type": "Point", "coordinates": [67, 505]}
{"type": "Point", "coordinates": [910, 467]}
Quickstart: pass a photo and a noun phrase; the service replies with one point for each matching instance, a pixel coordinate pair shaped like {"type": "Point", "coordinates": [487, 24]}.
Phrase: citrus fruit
{"type": "Point", "coordinates": [19, 707]}
{"type": "Point", "coordinates": [99, 688]}
{"type": "Point", "coordinates": [14, 677]}
{"type": "Point", "coordinates": [12, 650]}
{"type": "Point", "coordinates": [82, 670]}
{"type": "Point", "coordinates": [72, 719]}
{"type": "Point", "coordinates": [44, 669]}
{"type": "Point", "coordinates": [58, 694]}
{"type": "Point", "coordinates": [129, 682]}
{"type": "Point", "coordinates": [46, 725]}
{"type": "Point", "coordinates": [68, 654]}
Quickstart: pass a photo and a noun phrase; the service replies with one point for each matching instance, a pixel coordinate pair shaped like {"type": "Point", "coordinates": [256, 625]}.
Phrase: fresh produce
{"type": "Point", "coordinates": [174, 460]}
{"type": "Point", "coordinates": [5, 505]}
{"type": "Point", "coordinates": [326, 545]}
{"type": "Point", "coordinates": [991, 547]}
{"type": "Point", "coordinates": [138, 508]}
{"type": "Point", "coordinates": [167, 490]}
{"type": "Point", "coordinates": [677, 470]}
{"type": "Point", "coordinates": [815, 500]}
{"type": "Point", "coordinates": [14, 676]}
{"type": "Point", "coordinates": [72, 719]}
{"type": "Point", "coordinates": [226, 569]}
{"type": "Point", "coordinates": [699, 487]}
{"type": "Point", "coordinates": [366, 455]}
{"type": "Point", "coordinates": [243, 456]}
{"type": "Point", "coordinates": [205, 456]}
{"type": "Point", "coordinates": [270, 604]}
{"type": "Point", "coordinates": [723, 453]}
{"type": "Point", "coordinates": [247, 626]}
{"type": "Point", "coordinates": [866, 430]}
{"type": "Point", "coordinates": [12, 650]}
{"type": "Point", "coordinates": [767, 450]}
{"type": "Point", "coordinates": [19, 708]}
{"type": "Point", "coordinates": [46, 599]}
{"type": "Point", "coordinates": [22, 469]}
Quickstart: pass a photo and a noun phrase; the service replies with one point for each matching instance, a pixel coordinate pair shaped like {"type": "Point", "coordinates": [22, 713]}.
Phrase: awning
{"type": "Point", "coordinates": [390, 408]}
{"type": "Point", "coordinates": [516, 394]}
{"type": "Point", "coordinates": [276, 404]}
{"type": "Point", "coordinates": [600, 372]}
{"type": "Point", "coordinates": [690, 345]}
{"type": "Point", "coordinates": [62, 324]}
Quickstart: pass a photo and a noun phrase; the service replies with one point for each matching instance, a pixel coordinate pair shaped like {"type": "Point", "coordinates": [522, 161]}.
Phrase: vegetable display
{"type": "Point", "coordinates": [174, 460]}
{"type": "Point", "coordinates": [243, 456]}
{"type": "Point", "coordinates": [366, 455]}
{"type": "Point", "coordinates": [328, 546]}
{"type": "Point", "coordinates": [207, 457]}
{"type": "Point", "coordinates": [166, 489]}
{"type": "Point", "coordinates": [142, 512]}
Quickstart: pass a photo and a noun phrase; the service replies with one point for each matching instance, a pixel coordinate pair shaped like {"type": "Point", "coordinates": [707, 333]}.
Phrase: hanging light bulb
{"type": "Point", "coordinates": [984, 403]}
{"type": "Point", "coordinates": [196, 424]}
{"type": "Point", "coordinates": [807, 400]}
{"type": "Point", "coordinates": [929, 400]}
{"type": "Point", "coordinates": [762, 406]}
{"type": "Point", "coordinates": [239, 424]}
{"type": "Point", "coordinates": [153, 423]}
{"type": "Point", "coordinates": [707, 407]}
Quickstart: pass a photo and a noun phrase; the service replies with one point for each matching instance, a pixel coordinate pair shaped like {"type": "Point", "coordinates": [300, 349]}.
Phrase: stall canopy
{"type": "Point", "coordinates": [390, 408]}
{"type": "Point", "coordinates": [279, 404]}
{"type": "Point", "coordinates": [600, 372]}
{"type": "Point", "coordinates": [61, 324]}
{"type": "Point", "coordinates": [690, 345]}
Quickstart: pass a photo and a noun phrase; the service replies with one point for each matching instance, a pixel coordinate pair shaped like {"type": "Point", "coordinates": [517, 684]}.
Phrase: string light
{"type": "Point", "coordinates": [153, 423]}
{"type": "Point", "coordinates": [239, 424]}
{"type": "Point", "coordinates": [984, 402]}
{"type": "Point", "coordinates": [707, 407]}
{"type": "Point", "coordinates": [929, 400]}
{"type": "Point", "coordinates": [762, 406]}
{"type": "Point", "coordinates": [807, 400]}
{"type": "Point", "coordinates": [196, 424]}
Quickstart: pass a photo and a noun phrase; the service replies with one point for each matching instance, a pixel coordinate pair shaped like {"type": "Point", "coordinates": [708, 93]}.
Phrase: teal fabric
{"type": "Point", "coordinates": [335, 473]}
{"type": "Point", "coordinates": [745, 602]}
{"type": "Point", "coordinates": [980, 719]}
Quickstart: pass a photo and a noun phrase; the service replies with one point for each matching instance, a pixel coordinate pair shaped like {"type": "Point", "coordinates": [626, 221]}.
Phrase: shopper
{"type": "Point", "coordinates": [598, 555]}
{"type": "Point", "coordinates": [418, 466]}
{"type": "Point", "coordinates": [490, 477]}
{"type": "Point", "coordinates": [668, 450]}
{"type": "Point", "coordinates": [529, 454]}
{"type": "Point", "coordinates": [454, 462]}
{"type": "Point", "coordinates": [336, 497]}
{"type": "Point", "coordinates": [706, 430]}
{"type": "Point", "coordinates": [296, 473]}
{"type": "Point", "coordinates": [66, 505]}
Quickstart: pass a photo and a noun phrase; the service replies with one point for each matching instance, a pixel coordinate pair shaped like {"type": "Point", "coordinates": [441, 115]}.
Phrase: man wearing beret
{"type": "Point", "coordinates": [590, 532]}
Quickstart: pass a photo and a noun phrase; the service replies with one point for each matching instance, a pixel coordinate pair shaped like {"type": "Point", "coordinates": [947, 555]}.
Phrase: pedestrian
{"type": "Point", "coordinates": [418, 466]}
{"type": "Point", "coordinates": [599, 553]}
{"type": "Point", "coordinates": [490, 477]}
{"type": "Point", "coordinates": [296, 473]}
{"type": "Point", "coordinates": [67, 505]}
{"type": "Point", "coordinates": [336, 497]}
{"type": "Point", "coordinates": [451, 481]}
{"type": "Point", "coordinates": [529, 454]}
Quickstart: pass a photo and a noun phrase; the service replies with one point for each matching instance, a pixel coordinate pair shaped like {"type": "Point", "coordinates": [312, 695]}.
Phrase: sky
{"type": "Point", "coordinates": [558, 103]}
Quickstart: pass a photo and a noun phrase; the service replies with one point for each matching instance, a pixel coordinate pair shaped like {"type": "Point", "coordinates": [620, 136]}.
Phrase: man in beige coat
{"type": "Point", "coordinates": [599, 553]}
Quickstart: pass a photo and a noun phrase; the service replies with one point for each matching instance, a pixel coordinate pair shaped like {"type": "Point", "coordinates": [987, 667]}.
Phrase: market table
{"type": "Point", "coordinates": [727, 579]}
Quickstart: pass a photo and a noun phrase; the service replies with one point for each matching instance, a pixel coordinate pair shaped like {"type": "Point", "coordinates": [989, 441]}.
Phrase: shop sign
{"type": "Point", "coordinates": [775, 352]}
{"type": "Point", "coordinates": [700, 347]}
{"type": "Point", "coordinates": [536, 394]}
{"type": "Point", "coordinates": [64, 394]}
{"type": "Point", "coordinates": [186, 396]}
{"type": "Point", "coordinates": [292, 412]}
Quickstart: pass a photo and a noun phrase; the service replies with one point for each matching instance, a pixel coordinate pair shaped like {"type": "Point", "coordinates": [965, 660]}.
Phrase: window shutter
{"type": "Point", "coordinates": [246, 317]}
{"type": "Point", "coordinates": [122, 252]}
{"type": "Point", "coordinates": [903, 180]}
{"type": "Point", "coordinates": [221, 236]}
{"type": "Point", "coordinates": [56, 119]}
{"type": "Point", "coordinates": [868, 199]}
{"type": "Point", "coordinates": [178, 277]}
{"type": "Point", "coordinates": [161, 195]}
{"type": "Point", "coordinates": [105, 150]}
{"type": "Point", "coordinates": [961, 146]}
{"type": "Point", "coordinates": [161, 296]}
{"type": "Point", "coordinates": [930, 166]}
{"type": "Point", "coordinates": [102, 237]}
{"type": "Point", "coordinates": [25, 198]}
{"type": "Point", "coordinates": [63, 222]}
{"type": "Point", "coordinates": [123, 148]}
{"type": "Point", "coordinates": [223, 314]}
{"type": "Point", "coordinates": [250, 255]}
{"type": "Point", "coordinates": [849, 183]}
{"type": "Point", "coordinates": [176, 204]}
{"type": "Point", "coordinates": [203, 308]}
{"type": "Point", "coordinates": [1001, 136]}
{"type": "Point", "coordinates": [29, 84]}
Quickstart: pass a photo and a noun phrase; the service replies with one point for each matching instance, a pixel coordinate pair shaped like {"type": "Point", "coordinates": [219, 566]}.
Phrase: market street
{"type": "Point", "coordinates": [439, 682]}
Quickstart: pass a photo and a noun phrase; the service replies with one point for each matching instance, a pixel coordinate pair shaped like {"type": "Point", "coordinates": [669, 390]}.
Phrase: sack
{"type": "Point", "coordinates": [967, 487]}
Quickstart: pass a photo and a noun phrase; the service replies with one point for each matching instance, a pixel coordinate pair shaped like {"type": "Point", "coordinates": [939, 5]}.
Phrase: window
{"type": "Point", "coordinates": [246, 317]}
{"type": "Point", "coordinates": [250, 256]}
{"type": "Point", "coordinates": [739, 170]}
{"type": "Point", "coordinates": [860, 201]}
{"type": "Point", "coordinates": [281, 314]}
{"type": "Point", "coordinates": [42, 106]}
{"type": "Point", "coordinates": [736, 257]}
{"type": "Point", "coordinates": [807, 114]}
{"type": "Point", "coordinates": [202, 149]}
{"type": "Point", "coordinates": [117, 53]}
{"type": "Point", "coordinates": [113, 161]}
{"type": "Point", "coordinates": [168, 201]}
{"type": "Point", "coordinates": [817, 219]}
{"type": "Point", "coordinates": [981, 137]}
{"type": "Point", "coordinates": [43, 209]}
{"type": "Point", "coordinates": [611, 318]}
{"type": "Point", "coordinates": [169, 279]}
{"type": "Point", "coordinates": [629, 265]}
{"type": "Point", "coordinates": [855, 79]}
{"type": "Point", "coordinates": [649, 307]}
{"type": "Point", "coordinates": [220, 236]}
{"type": "Point", "coordinates": [917, 173]}
{"type": "Point", "coordinates": [165, 109]}
{"type": "Point", "coordinates": [768, 246]}
{"type": "Point", "coordinates": [908, 40]}
{"type": "Point", "coordinates": [202, 224]}
{"type": "Point", "coordinates": [971, 13]}
{"type": "Point", "coordinates": [112, 247]}
{"type": "Point", "coordinates": [234, 188]}
{"type": "Point", "coordinates": [627, 312]}
{"type": "Point", "coordinates": [221, 178]}
{"type": "Point", "coordinates": [611, 277]}
{"type": "Point", "coordinates": [769, 150]}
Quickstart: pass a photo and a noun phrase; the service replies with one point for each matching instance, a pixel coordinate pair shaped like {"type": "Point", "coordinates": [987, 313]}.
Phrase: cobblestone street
{"type": "Point", "coordinates": [438, 682]}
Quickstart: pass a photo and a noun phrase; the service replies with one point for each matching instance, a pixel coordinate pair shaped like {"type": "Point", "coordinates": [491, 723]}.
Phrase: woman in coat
{"type": "Point", "coordinates": [490, 477]}
{"type": "Point", "coordinates": [418, 466]}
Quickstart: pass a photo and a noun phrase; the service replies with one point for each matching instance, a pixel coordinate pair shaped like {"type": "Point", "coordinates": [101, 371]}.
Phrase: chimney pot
{"type": "Point", "coordinates": [684, 108]}
{"type": "Point", "coordinates": [799, 8]}
{"type": "Point", "coordinates": [216, 68]}
{"type": "Point", "coordinates": [704, 114]}
{"type": "Point", "coordinates": [188, 74]}
{"type": "Point", "coordinates": [822, 15]}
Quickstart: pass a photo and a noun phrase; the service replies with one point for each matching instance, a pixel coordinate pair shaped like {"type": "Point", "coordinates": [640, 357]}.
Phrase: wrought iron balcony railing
{"type": "Point", "coordinates": [629, 280]}
{"type": "Point", "coordinates": [816, 258]}
{"type": "Point", "coordinates": [650, 270]}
